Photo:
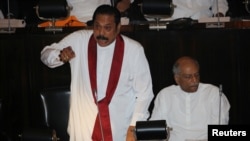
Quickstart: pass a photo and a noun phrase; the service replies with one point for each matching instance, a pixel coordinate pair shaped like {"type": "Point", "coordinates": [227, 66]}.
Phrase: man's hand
{"type": "Point", "coordinates": [131, 134]}
{"type": "Point", "coordinates": [66, 54]}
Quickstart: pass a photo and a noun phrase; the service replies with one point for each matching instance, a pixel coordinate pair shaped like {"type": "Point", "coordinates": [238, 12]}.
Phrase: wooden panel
{"type": "Point", "coordinates": [222, 53]}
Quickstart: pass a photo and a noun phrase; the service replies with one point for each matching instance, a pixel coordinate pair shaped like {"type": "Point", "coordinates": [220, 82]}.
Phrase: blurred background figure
{"type": "Point", "coordinates": [196, 9]}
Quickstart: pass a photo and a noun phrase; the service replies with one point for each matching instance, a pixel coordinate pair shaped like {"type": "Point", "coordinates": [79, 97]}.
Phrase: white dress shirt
{"type": "Point", "coordinates": [189, 114]}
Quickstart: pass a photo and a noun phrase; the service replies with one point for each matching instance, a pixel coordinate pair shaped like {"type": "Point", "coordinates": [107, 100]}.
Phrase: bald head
{"type": "Point", "coordinates": [184, 61]}
{"type": "Point", "coordinates": [186, 73]}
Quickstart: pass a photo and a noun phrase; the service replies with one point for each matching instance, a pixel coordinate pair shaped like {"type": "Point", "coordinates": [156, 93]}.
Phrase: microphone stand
{"type": "Point", "coordinates": [220, 94]}
{"type": "Point", "coordinates": [113, 3]}
{"type": "Point", "coordinates": [9, 30]}
{"type": "Point", "coordinates": [218, 16]}
{"type": "Point", "coordinates": [246, 2]}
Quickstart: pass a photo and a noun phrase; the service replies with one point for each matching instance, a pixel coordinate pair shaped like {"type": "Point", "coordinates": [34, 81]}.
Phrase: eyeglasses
{"type": "Point", "coordinates": [190, 76]}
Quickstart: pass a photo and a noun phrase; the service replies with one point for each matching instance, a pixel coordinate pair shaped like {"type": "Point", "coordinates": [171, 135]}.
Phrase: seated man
{"type": "Point", "coordinates": [196, 9]}
{"type": "Point", "coordinates": [185, 9]}
{"type": "Point", "coordinates": [82, 11]}
{"type": "Point", "coordinates": [190, 106]}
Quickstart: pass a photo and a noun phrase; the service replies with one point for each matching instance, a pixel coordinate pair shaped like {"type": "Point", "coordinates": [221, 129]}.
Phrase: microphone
{"type": "Point", "coordinates": [220, 94]}
{"type": "Point", "coordinates": [246, 2]}
{"type": "Point", "coordinates": [99, 116]}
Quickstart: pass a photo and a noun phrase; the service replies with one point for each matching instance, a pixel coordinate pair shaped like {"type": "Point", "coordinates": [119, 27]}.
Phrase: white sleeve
{"type": "Point", "coordinates": [50, 56]}
{"type": "Point", "coordinates": [159, 107]}
{"type": "Point", "coordinates": [225, 107]}
{"type": "Point", "coordinates": [142, 87]}
{"type": "Point", "coordinates": [50, 53]}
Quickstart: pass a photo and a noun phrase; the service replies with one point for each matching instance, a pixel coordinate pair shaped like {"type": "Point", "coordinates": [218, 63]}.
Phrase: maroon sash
{"type": "Point", "coordinates": [114, 75]}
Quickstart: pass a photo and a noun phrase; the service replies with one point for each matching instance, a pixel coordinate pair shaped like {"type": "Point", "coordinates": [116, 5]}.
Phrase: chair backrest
{"type": "Point", "coordinates": [55, 102]}
{"type": "Point", "coordinates": [49, 9]}
{"type": "Point", "coordinates": [157, 8]}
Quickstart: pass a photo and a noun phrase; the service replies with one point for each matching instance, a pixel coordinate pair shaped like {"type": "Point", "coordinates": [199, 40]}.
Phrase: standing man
{"type": "Point", "coordinates": [111, 86]}
{"type": "Point", "coordinates": [190, 106]}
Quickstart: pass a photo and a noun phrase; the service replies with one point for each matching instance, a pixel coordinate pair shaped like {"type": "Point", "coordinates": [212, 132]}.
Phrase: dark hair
{"type": "Point", "coordinates": [109, 10]}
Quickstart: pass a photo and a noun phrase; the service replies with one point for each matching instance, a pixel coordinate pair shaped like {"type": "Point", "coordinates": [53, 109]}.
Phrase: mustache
{"type": "Point", "coordinates": [195, 85]}
{"type": "Point", "coordinates": [100, 37]}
